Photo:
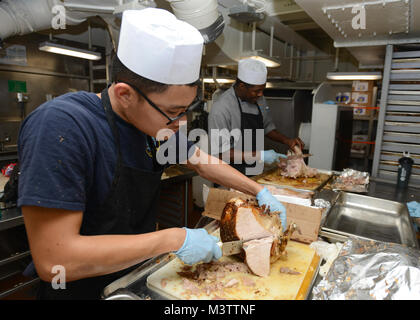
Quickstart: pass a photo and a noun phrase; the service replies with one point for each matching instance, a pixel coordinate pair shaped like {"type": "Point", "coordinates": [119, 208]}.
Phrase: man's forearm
{"type": "Point", "coordinates": [234, 154]}
{"type": "Point", "coordinates": [218, 171]}
{"type": "Point", "coordinates": [104, 254]}
{"type": "Point", "coordinates": [54, 239]}
{"type": "Point", "coordinates": [277, 136]}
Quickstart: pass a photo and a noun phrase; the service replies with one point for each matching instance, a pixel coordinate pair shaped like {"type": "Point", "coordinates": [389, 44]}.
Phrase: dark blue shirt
{"type": "Point", "coordinates": [67, 154]}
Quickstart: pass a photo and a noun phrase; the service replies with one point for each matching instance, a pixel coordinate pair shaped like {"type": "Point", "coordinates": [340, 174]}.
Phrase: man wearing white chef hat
{"type": "Point", "coordinates": [90, 178]}
{"type": "Point", "coordinates": [243, 106]}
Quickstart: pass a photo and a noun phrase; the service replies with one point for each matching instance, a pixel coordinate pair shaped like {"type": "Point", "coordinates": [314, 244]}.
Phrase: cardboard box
{"type": "Point", "coordinates": [359, 85]}
{"type": "Point", "coordinates": [362, 111]}
{"type": "Point", "coordinates": [307, 218]}
{"type": "Point", "coordinates": [362, 98]}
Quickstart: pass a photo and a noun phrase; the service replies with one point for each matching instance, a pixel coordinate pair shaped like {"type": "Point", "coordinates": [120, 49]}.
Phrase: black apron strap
{"type": "Point", "coordinates": [248, 121]}
{"type": "Point", "coordinates": [106, 103]}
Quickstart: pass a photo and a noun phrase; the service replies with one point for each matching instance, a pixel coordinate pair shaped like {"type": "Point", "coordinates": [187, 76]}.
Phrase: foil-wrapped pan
{"type": "Point", "coordinates": [351, 180]}
{"type": "Point", "coordinates": [371, 270]}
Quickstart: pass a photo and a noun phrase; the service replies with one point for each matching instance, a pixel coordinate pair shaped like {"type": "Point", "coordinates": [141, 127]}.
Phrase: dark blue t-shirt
{"type": "Point", "coordinates": [67, 153]}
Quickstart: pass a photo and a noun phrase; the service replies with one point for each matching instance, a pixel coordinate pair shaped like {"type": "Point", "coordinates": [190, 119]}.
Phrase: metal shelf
{"type": "Point", "coordinates": [10, 218]}
{"type": "Point", "coordinates": [15, 257]}
{"type": "Point", "coordinates": [18, 287]}
{"type": "Point", "coordinates": [365, 117]}
{"type": "Point", "coordinates": [399, 114]}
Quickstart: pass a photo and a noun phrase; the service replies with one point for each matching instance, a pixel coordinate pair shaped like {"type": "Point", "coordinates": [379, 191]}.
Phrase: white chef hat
{"type": "Point", "coordinates": [252, 71]}
{"type": "Point", "coordinates": [156, 45]}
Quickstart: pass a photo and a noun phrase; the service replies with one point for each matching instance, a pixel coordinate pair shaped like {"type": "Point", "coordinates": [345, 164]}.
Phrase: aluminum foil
{"type": "Point", "coordinates": [372, 270]}
{"type": "Point", "coordinates": [351, 180]}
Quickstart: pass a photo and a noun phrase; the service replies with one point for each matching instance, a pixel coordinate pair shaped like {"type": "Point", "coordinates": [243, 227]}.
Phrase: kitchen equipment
{"type": "Point", "coordinates": [404, 170]}
{"type": "Point", "coordinates": [369, 218]}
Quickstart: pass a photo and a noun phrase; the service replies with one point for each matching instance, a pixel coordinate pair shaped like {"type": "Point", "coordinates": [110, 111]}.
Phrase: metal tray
{"type": "Point", "coordinates": [369, 218]}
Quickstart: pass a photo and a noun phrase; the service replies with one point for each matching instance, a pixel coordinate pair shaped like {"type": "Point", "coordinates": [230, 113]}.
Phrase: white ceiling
{"type": "Point", "coordinates": [387, 22]}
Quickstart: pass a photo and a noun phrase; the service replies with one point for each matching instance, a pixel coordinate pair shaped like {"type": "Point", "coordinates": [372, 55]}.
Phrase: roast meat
{"type": "Point", "coordinates": [245, 220]}
{"type": "Point", "coordinates": [295, 167]}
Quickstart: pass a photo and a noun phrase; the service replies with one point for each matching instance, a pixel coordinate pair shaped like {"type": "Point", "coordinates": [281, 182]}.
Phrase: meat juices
{"type": "Point", "coordinates": [243, 220]}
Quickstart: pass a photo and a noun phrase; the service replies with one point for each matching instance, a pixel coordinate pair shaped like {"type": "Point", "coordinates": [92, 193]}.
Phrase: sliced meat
{"type": "Point", "coordinates": [257, 255]}
{"type": "Point", "coordinates": [289, 271]}
{"type": "Point", "coordinates": [231, 283]}
{"type": "Point", "coordinates": [244, 220]}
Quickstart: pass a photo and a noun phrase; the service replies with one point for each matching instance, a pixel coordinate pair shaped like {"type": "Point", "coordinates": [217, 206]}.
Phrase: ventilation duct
{"type": "Point", "coordinates": [245, 14]}
{"type": "Point", "coordinates": [20, 17]}
{"type": "Point", "coordinates": [202, 14]}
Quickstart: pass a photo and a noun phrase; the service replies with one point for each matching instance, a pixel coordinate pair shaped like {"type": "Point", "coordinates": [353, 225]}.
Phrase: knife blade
{"type": "Point", "coordinates": [231, 247]}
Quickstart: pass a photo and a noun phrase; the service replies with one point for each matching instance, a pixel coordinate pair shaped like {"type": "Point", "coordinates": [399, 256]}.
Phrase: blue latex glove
{"type": "Point", "coordinates": [269, 156]}
{"type": "Point", "coordinates": [414, 209]}
{"type": "Point", "coordinates": [199, 246]}
{"type": "Point", "coordinates": [264, 197]}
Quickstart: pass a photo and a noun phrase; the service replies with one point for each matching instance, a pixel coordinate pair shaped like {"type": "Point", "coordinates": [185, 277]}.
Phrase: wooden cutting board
{"type": "Point", "coordinates": [275, 178]}
{"type": "Point", "coordinates": [277, 286]}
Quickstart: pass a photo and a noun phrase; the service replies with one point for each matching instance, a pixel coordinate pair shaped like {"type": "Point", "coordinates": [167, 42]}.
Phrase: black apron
{"type": "Point", "coordinates": [248, 121]}
{"type": "Point", "coordinates": [129, 208]}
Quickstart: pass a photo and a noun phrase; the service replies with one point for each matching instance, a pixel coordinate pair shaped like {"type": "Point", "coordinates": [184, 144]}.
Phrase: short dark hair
{"type": "Point", "coordinates": [119, 72]}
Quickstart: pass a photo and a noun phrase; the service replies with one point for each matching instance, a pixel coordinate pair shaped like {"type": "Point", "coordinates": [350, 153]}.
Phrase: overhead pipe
{"type": "Point", "coordinates": [271, 40]}
{"type": "Point", "coordinates": [291, 62]}
{"type": "Point", "coordinates": [202, 14]}
{"type": "Point", "coordinates": [20, 17]}
{"type": "Point", "coordinates": [337, 54]}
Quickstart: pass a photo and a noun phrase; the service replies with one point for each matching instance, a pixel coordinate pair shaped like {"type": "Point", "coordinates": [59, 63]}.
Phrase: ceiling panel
{"type": "Point", "coordinates": [387, 22]}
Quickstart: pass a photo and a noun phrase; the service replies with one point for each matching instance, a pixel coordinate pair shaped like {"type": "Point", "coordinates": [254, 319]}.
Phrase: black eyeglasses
{"type": "Point", "coordinates": [190, 108]}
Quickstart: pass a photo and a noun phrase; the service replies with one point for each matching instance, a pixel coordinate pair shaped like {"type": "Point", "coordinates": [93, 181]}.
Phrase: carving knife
{"type": "Point", "coordinates": [234, 247]}
{"type": "Point", "coordinates": [231, 247]}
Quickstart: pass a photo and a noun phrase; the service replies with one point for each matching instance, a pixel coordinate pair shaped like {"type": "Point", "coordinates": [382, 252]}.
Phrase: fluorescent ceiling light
{"type": "Point", "coordinates": [354, 75]}
{"type": "Point", "coordinates": [219, 80]}
{"type": "Point", "coordinates": [69, 51]}
{"type": "Point", "coordinates": [270, 62]}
